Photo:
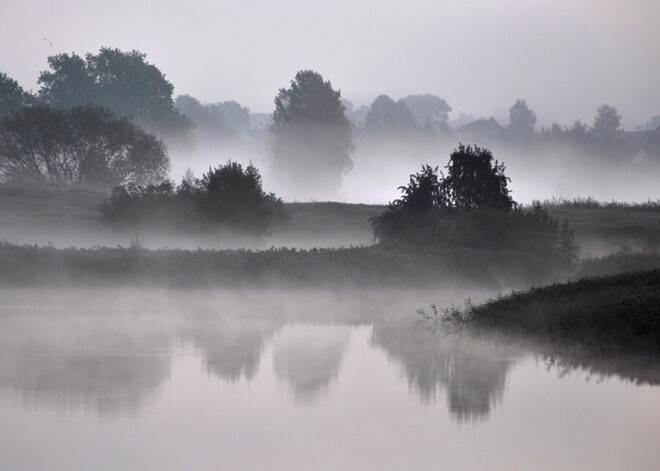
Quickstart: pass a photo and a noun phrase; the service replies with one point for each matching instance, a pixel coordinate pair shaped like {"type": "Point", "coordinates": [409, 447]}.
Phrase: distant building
{"type": "Point", "coordinates": [481, 128]}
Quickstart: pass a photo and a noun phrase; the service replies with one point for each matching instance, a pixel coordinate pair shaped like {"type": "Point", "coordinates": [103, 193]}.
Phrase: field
{"type": "Point", "coordinates": [70, 216]}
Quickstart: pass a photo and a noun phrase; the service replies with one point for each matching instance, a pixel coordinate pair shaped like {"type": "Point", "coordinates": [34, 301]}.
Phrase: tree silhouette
{"type": "Point", "coordinates": [522, 119]}
{"type": "Point", "coordinates": [311, 136]}
{"type": "Point", "coordinates": [387, 118]}
{"type": "Point", "coordinates": [123, 82]}
{"type": "Point", "coordinates": [606, 121]}
{"type": "Point", "coordinates": [475, 181]}
{"type": "Point", "coordinates": [12, 96]}
{"type": "Point", "coordinates": [83, 144]}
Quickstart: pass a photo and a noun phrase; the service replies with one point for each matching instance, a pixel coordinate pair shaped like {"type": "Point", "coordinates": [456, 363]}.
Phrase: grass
{"type": "Point", "coordinates": [374, 266]}
{"type": "Point", "coordinates": [616, 312]}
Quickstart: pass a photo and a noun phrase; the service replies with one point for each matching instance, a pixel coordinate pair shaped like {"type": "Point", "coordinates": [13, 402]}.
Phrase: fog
{"type": "Point", "coordinates": [565, 58]}
{"type": "Point", "coordinates": [199, 377]}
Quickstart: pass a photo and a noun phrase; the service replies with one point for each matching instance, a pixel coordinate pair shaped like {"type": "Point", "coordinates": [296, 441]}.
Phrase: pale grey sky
{"type": "Point", "coordinates": [565, 57]}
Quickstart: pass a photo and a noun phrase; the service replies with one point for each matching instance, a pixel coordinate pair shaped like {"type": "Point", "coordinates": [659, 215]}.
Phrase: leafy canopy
{"type": "Point", "coordinates": [311, 137]}
{"type": "Point", "coordinates": [83, 144]}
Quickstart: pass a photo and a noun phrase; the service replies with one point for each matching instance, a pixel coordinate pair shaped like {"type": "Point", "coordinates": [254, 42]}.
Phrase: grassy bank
{"type": "Point", "coordinates": [70, 216]}
{"type": "Point", "coordinates": [359, 266]}
{"type": "Point", "coordinates": [616, 312]}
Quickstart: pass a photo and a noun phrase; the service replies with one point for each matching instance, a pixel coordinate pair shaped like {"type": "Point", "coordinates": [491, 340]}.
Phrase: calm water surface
{"type": "Point", "coordinates": [298, 381]}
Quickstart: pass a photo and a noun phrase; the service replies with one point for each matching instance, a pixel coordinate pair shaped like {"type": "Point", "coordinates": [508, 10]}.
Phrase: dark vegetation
{"type": "Point", "coordinates": [471, 207]}
{"type": "Point", "coordinates": [311, 137]}
{"type": "Point", "coordinates": [355, 267]}
{"type": "Point", "coordinates": [79, 145]}
{"type": "Point", "coordinates": [227, 196]}
{"type": "Point", "coordinates": [607, 313]}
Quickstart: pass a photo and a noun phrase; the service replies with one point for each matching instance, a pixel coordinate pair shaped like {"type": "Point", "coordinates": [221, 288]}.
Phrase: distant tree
{"type": "Point", "coordinates": [606, 121]}
{"type": "Point", "coordinates": [429, 110]}
{"type": "Point", "coordinates": [387, 117]}
{"type": "Point", "coordinates": [123, 82]}
{"type": "Point", "coordinates": [311, 136]}
{"type": "Point", "coordinates": [83, 144]}
{"type": "Point", "coordinates": [233, 196]}
{"type": "Point", "coordinates": [522, 120]}
{"type": "Point", "coordinates": [12, 96]}
{"type": "Point", "coordinates": [235, 116]}
{"type": "Point", "coordinates": [475, 181]}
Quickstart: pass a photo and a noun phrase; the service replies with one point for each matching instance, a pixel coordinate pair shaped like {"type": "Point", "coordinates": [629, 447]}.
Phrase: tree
{"type": "Point", "coordinates": [232, 196]}
{"type": "Point", "coordinates": [429, 110]}
{"type": "Point", "coordinates": [123, 82]}
{"type": "Point", "coordinates": [474, 181]}
{"type": "Point", "coordinates": [522, 119]}
{"type": "Point", "coordinates": [387, 118]}
{"type": "Point", "coordinates": [311, 136]}
{"type": "Point", "coordinates": [417, 216]}
{"type": "Point", "coordinates": [606, 121]}
{"type": "Point", "coordinates": [83, 144]}
{"type": "Point", "coordinates": [12, 96]}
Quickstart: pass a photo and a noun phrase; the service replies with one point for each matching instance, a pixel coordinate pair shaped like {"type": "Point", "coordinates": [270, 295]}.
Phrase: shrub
{"type": "Point", "coordinates": [227, 196]}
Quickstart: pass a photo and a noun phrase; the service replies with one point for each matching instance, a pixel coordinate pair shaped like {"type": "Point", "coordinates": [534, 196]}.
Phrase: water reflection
{"type": "Point", "coordinates": [83, 362]}
{"type": "Point", "coordinates": [472, 374]}
{"type": "Point", "coordinates": [231, 348]}
{"type": "Point", "coordinates": [309, 357]}
{"type": "Point", "coordinates": [115, 362]}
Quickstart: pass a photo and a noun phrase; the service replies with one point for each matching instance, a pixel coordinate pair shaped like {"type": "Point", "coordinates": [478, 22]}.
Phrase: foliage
{"type": "Point", "coordinates": [12, 96]}
{"type": "Point", "coordinates": [84, 144]}
{"type": "Point", "coordinates": [429, 110]}
{"type": "Point", "coordinates": [387, 118]}
{"type": "Point", "coordinates": [614, 312]}
{"type": "Point", "coordinates": [228, 196]}
{"type": "Point", "coordinates": [217, 121]}
{"type": "Point", "coordinates": [522, 119]}
{"type": "Point", "coordinates": [121, 81]}
{"type": "Point", "coordinates": [471, 207]}
{"type": "Point", "coordinates": [474, 181]}
{"type": "Point", "coordinates": [233, 196]}
{"type": "Point", "coordinates": [311, 136]}
{"type": "Point", "coordinates": [606, 121]}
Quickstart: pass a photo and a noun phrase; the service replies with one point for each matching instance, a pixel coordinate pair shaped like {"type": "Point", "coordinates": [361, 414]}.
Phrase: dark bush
{"type": "Point", "coordinates": [227, 196]}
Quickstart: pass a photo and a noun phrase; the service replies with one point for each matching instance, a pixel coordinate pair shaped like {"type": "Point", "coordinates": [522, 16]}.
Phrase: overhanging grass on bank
{"type": "Point", "coordinates": [613, 312]}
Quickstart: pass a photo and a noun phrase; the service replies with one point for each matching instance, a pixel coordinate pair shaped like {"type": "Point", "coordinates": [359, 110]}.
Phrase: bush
{"type": "Point", "coordinates": [471, 208]}
{"type": "Point", "coordinates": [227, 196]}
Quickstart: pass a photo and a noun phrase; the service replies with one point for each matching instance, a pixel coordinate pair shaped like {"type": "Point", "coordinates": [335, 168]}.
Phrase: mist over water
{"type": "Point", "coordinates": [149, 379]}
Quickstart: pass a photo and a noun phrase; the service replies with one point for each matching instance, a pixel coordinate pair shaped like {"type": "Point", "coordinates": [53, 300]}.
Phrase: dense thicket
{"type": "Point", "coordinates": [83, 144]}
{"type": "Point", "coordinates": [228, 196]}
{"type": "Point", "coordinates": [471, 207]}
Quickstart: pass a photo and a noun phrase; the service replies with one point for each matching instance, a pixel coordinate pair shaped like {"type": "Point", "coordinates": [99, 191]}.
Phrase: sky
{"type": "Point", "coordinates": [565, 57]}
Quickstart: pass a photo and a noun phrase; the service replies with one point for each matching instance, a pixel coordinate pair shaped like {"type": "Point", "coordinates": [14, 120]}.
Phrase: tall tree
{"type": "Point", "coordinates": [311, 136]}
{"type": "Point", "coordinates": [123, 82]}
{"type": "Point", "coordinates": [522, 120]}
{"type": "Point", "coordinates": [12, 96]}
{"type": "Point", "coordinates": [606, 121]}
